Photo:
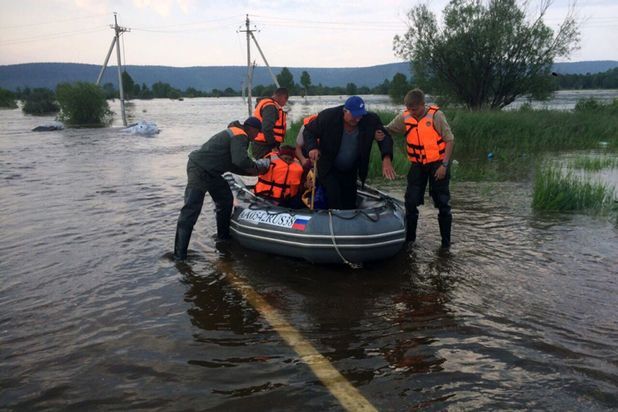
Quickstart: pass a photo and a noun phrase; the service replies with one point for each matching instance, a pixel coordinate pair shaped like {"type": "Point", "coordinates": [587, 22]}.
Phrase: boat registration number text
{"type": "Point", "coordinates": [285, 220]}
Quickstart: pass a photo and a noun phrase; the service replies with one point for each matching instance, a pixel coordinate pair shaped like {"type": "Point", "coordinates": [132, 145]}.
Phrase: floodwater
{"type": "Point", "coordinates": [521, 314]}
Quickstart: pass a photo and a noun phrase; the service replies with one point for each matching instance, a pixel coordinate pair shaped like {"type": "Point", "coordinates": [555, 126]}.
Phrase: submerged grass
{"type": "Point", "coordinates": [594, 164]}
{"type": "Point", "coordinates": [555, 190]}
{"type": "Point", "coordinates": [498, 146]}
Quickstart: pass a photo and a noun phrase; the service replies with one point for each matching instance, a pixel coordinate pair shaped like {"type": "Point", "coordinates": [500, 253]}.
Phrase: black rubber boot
{"type": "Point", "coordinates": [445, 230]}
{"type": "Point", "coordinates": [181, 244]}
{"type": "Point", "coordinates": [188, 216]}
{"type": "Point", "coordinates": [224, 216]}
{"type": "Point", "coordinates": [411, 222]}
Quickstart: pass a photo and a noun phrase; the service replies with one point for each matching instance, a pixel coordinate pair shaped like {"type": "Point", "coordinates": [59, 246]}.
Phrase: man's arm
{"type": "Point", "coordinates": [444, 130]}
{"type": "Point", "coordinates": [386, 144]}
{"type": "Point", "coordinates": [397, 126]}
{"type": "Point", "coordinates": [240, 158]}
{"type": "Point", "coordinates": [442, 127]}
{"type": "Point", "coordinates": [386, 149]}
{"type": "Point", "coordinates": [310, 136]}
{"type": "Point", "coordinates": [270, 115]}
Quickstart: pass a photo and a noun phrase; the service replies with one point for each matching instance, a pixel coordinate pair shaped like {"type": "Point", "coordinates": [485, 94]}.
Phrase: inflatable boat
{"type": "Point", "coordinates": [373, 231]}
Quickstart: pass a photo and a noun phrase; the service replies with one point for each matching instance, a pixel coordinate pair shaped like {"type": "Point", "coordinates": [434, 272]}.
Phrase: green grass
{"type": "Point", "coordinates": [512, 134]}
{"type": "Point", "coordinates": [515, 139]}
{"type": "Point", "coordinates": [594, 164]}
{"type": "Point", "coordinates": [555, 190]}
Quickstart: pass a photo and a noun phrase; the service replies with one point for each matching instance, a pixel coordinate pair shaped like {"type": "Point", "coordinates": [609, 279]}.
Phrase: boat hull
{"type": "Point", "coordinates": [321, 236]}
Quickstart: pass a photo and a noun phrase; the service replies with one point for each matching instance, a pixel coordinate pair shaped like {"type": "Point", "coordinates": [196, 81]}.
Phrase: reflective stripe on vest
{"type": "Point", "coordinates": [424, 144]}
{"type": "Point", "coordinates": [280, 125]}
{"type": "Point", "coordinates": [281, 181]}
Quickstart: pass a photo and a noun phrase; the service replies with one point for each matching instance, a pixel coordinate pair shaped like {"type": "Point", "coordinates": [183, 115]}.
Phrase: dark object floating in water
{"type": "Point", "coordinates": [49, 127]}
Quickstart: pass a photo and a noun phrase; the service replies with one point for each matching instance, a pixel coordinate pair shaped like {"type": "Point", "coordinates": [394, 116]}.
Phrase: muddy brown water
{"type": "Point", "coordinates": [520, 314]}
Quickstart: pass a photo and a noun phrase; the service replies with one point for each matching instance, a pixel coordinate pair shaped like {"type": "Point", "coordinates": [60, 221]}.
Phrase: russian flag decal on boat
{"type": "Point", "coordinates": [300, 223]}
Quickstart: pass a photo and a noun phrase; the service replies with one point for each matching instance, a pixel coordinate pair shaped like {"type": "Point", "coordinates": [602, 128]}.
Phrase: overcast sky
{"type": "Point", "coordinates": [301, 33]}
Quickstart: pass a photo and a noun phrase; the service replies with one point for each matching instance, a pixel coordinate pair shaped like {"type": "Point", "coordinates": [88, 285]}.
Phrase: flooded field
{"type": "Point", "coordinates": [520, 314]}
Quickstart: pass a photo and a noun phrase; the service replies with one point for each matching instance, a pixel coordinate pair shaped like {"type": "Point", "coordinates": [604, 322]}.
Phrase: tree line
{"type": "Point", "coordinates": [43, 100]}
{"type": "Point", "coordinates": [605, 80]}
{"type": "Point", "coordinates": [133, 90]}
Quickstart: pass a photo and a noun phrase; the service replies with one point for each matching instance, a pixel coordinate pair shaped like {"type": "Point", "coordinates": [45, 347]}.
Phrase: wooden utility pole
{"type": "Point", "coordinates": [251, 67]}
{"type": "Point", "coordinates": [116, 41]}
{"type": "Point", "coordinates": [119, 30]}
{"type": "Point", "coordinates": [249, 74]}
{"type": "Point", "coordinates": [272, 75]}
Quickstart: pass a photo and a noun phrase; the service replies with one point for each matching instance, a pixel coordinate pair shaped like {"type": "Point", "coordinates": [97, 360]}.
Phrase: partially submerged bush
{"type": "Point", "coordinates": [593, 105]}
{"type": "Point", "coordinates": [83, 104]}
{"type": "Point", "coordinates": [7, 99]}
{"type": "Point", "coordinates": [40, 101]}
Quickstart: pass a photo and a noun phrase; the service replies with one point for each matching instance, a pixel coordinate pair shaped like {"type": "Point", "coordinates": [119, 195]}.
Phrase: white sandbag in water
{"type": "Point", "coordinates": [142, 127]}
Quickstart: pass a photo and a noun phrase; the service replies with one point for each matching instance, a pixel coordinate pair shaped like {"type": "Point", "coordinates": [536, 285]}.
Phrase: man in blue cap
{"type": "Point", "coordinates": [345, 135]}
{"type": "Point", "coordinates": [224, 152]}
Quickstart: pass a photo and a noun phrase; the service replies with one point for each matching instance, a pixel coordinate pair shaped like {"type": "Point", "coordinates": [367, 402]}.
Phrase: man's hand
{"type": "Point", "coordinates": [379, 135]}
{"type": "Point", "coordinates": [262, 165]}
{"type": "Point", "coordinates": [307, 164]}
{"type": "Point", "coordinates": [440, 172]}
{"type": "Point", "coordinates": [387, 169]}
{"type": "Point", "coordinates": [314, 155]}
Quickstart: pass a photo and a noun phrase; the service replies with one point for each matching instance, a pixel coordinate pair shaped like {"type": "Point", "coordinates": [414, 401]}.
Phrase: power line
{"type": "Point", "coordinates": [299, 21]}
{"type": "Point", "coordinates": [195, 30]}
{"type": "Point", "coordinates": [332, 25]}
{"type": "Point", "coordinates": [51, 36]}
{"type": "Point", "coordinates": [56, 21]}
{"type": "Point", "coordinates": [346, 28]}
{"type": "Point", "coordinates": [234, 17]}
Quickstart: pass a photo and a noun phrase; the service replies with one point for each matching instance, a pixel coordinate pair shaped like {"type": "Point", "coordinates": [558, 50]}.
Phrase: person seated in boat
{"type": "Point", "coordinates": [346, 134]}
{"type": "Point", "coordinates": [281, 183]}
{"type": "Point", "coordinates": [301, 152]}
{"type": "Point", "coordinates": [274, 123]}
{"type": "Point", "coordinates": [223, 152]}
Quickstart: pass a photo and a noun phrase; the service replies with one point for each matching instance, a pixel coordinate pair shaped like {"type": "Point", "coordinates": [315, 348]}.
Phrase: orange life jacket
{"type": "Point", "coordinates": [236, 131]}
{"type": "Point", "coordinates": [309, 119]}
{"type": "Point", "coordinates": [424, 144]}
{"type": "Point", "coordinates": [280, 125]}
{"type": "Point", "coordinates": [281, 181]}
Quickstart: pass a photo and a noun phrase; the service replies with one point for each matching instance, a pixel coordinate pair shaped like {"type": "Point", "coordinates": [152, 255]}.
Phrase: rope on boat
{"type": "Point", "coordinates": [332, 237]}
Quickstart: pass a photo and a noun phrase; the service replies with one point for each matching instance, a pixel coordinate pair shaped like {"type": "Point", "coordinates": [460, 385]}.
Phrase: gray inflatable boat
{"type": "Point", "coordinates": [374, 231]}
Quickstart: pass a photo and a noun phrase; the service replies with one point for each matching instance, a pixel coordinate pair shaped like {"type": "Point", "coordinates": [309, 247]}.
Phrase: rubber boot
{"type": "Point", "coordinates": [181, 243]}
{"type": "Point", "coordinates": [411, 222]}
{"type": "Point", "coordinates": [445, 230]}
{"type": "Point", "coordinates": [224, 216]}
{"type": "Point", "coordinates": [188, 216]}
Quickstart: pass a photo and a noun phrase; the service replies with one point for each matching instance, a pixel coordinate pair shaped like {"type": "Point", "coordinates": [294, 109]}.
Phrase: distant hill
{"type": "Point", "coordinates": [591, 67]}
{"type": "Point", "coordinates": [208, 78]}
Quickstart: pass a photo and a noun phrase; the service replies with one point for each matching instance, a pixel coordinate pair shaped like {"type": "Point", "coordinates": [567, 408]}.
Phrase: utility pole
{"type": "Point", "coordinates": [116, 41]}
{"type": "Point", "coordinates": [272, 75]}
{"type": "Point", "coordinates": [250, 67]}
{"type": "Point", "coordinates": [249, 74]}
{"type": "Point", "coordinates": [119, 30]}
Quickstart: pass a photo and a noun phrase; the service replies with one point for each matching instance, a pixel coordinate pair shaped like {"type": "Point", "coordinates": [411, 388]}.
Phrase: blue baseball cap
{"type": "Point", "coordinates": [356, 106]}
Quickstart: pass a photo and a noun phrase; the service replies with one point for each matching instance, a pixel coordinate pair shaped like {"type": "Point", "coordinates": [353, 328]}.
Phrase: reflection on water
{"type": "Point", "coordinates": [520, 314]}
